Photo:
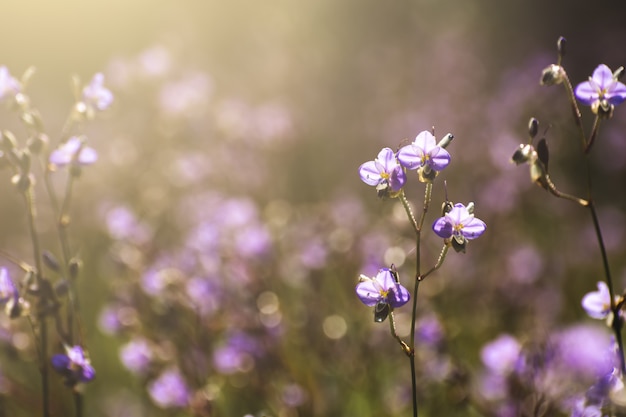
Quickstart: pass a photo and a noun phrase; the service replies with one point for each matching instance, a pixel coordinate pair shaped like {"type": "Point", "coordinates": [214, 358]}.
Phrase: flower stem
{"type": "Point", "coordinates": [43, 325]}
{"type": "Point", "coordinates": [417, 227]}
{"type": "Point", "coordinates": [593, 135]}
{"type": "Point", "coordinates": [442, 256]}
{"type": "Point", "coordinates": [616, 324]}
{"type": "Point", "coordinates": [575, 110]}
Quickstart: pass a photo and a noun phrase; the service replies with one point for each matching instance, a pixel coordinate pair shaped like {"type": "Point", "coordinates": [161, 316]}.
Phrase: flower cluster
{"type": "Point", "coordinates": [387, 171]}
{"type": "Point", "coordinates": [49, 282]}
{"type": "Point", "coordinates": [457, 226]}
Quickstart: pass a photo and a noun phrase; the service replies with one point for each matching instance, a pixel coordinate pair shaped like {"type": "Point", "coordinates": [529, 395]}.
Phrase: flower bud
{"type": "Point", "coordinates": [24, 160]}
{"type": "Point", "coordinates": [445, 141]}
{"type": "Point", "coordinates": [7, 140]}
{"type": "Point", "coordinates": [75, 266]}
{"type": "Point", "coordinates": [552, 75]}
{"type": "Point", "coordinates": [523, 154]}
{"type": "Point", "coordinates": [381, 311]}
{"type": "Point", "coordinates": [33, 119]}
{"type": "Point", "coordinates": [50, 260]}
{"type": "Point", "coordinates": [533, 127]}
{"type": "Point", "coordinates": [560, 46]}
{"type": "Point", "coordinates": [22, 181]}
{"type": "Point", "coordinates": [36, 144]}
{"type": "Point", "coordinates": [62, 287]}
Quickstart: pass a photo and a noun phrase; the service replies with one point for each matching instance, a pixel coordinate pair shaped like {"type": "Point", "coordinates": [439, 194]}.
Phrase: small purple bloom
{"type": "Point", "coordinates": [7, 288]}
{"type": "Point", "coordinates": [73, 365]}
{"type": "Point", "coordinates": [169, 390]}
{"type": "Point", "coordinates": [597, 304]}
{"type": "Point", "coordinates": [460, 223]}
{"type": "Point", "coordinates": [136, 355]}
{"type": "Point", "coordinates": [382, 289]}
{"type": "Point", "coordinates": [424, 152]}
{"type": "Point", "coordinates": [601, 87]}
{"type": "Point", "coordinates": [73, 151]}
{"type": "Point", "coordinates": [582, 410]}
{"type": "Point", "coordinates": [95, 96]}
{"type": "Point", "coordinates": [502, 354]}
{"type": "Point", "coordinates": [383, 171]}
{"type": "Point", "coordinates": [9, 86]}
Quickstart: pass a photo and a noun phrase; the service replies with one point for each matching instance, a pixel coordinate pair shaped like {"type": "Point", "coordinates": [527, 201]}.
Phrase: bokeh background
{"type": "Point", "coordinates": [225, 225]}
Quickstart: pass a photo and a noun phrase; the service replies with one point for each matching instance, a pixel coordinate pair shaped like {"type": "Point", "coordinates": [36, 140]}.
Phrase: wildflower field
{"type": "Point", "coordinates": [312, 208]}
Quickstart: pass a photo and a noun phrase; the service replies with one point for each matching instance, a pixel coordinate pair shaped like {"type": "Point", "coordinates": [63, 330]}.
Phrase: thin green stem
{"type": "Point", "coordinates": [394, 333]}
{"type": "Point", "coordinates": [593, 135]}
{"type": "Point", "coordinates": [23, 265]}
{"type": "Point", "coordinates": [616, 324]}
{"type": "Point", "coordinates": [43, 325]}
{"type": "Point", "coordinates": [555, 192]}
{"type": "Point", "coordinates": [442, 257]}
{"type": "Point", "coordinates": [417, 227]}
{"type": "Point", "coordinates": [575, 110]}
{"type": "Point", "coordinates": [409, 211]}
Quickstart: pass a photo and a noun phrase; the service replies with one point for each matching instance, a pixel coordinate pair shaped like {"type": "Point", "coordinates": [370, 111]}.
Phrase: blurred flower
{"type": "Point", "coordinates": [8, 291]}
{"type": "Point", "coordinates": [597, 304]}
{"type": "Point", "coordinates": [584, 352]}
{"type": "Point", "coordinates": [502, 354]}
{"type": "Point", "coordinates": [169, 390]}
{"type": "Point", "coordinates": [155, 61]}
{"type": "Point", "coordinates": [73, 365]}
{"type": "Point", "coordinates": [95, 95]}
{"type": "Point", "coordinates": [429, 331]}
{"type": "Point", "coordinates": [136, 355]}
{"type": "Point", "coordinates": [459, 223]}
{"type": "Point", "coordinates": [10, 299]}
{"type": "Point", "coordinates": [236, 354]}
{"type": "Point", "coordinates": [73, 152]}
{"type": "Point", "coordinates": [383, 292]}
{"type": "Point", "coordinates": [424, 152]}
{"type": "Point", "coordinates": [384, 172]}
{"type": "Point", "coordinates": [186, 96]}
{"type": "Point", "coordinates": [9, 86]}
{"type": "Point", "coordinates": [582, 410]}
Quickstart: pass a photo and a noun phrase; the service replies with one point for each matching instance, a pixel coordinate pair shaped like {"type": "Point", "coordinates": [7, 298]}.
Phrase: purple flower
{"type": "Point", "coordinates": [8, 291]}
{"type": "Point", "coordinates": [582, 410]}
{"type": "Point", "coordinates": [73, 365]}
{"type": "Point", "coordinates": [9, 86]}
{"type": "Point", "coordinates": [597, 304]}
{"type": "Point", "coordinates": [459, 223]}
{"type": "Point", "coordinates": [424, 152]}
{"type": "Point", "coordinates": [95, 96]}
{"type": "Point", "coordinates": [602, 90]}
{"type": "Point", "coordinates": [169, 390]}
{"type": "Point", "coordinates": [502, 354]}
{"type": "Point", "coordinates": [384, 172]}
{"type": "Point", "coordinates": [73, 151]}
{"type": "Point", "coordinates": [10, 299]}
{"type": "Point", "coordinates": [382, 292]}
{"type": "Point", "coordinates": [136, 355]}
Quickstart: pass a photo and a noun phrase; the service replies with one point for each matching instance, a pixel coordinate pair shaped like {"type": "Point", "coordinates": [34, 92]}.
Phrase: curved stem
{"type": "Point", "coordinates": [593, 135]}
{"type": "Point", "coordinates": [442, 256]}
{"type": "Point", "coordinates": [575, 110]}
